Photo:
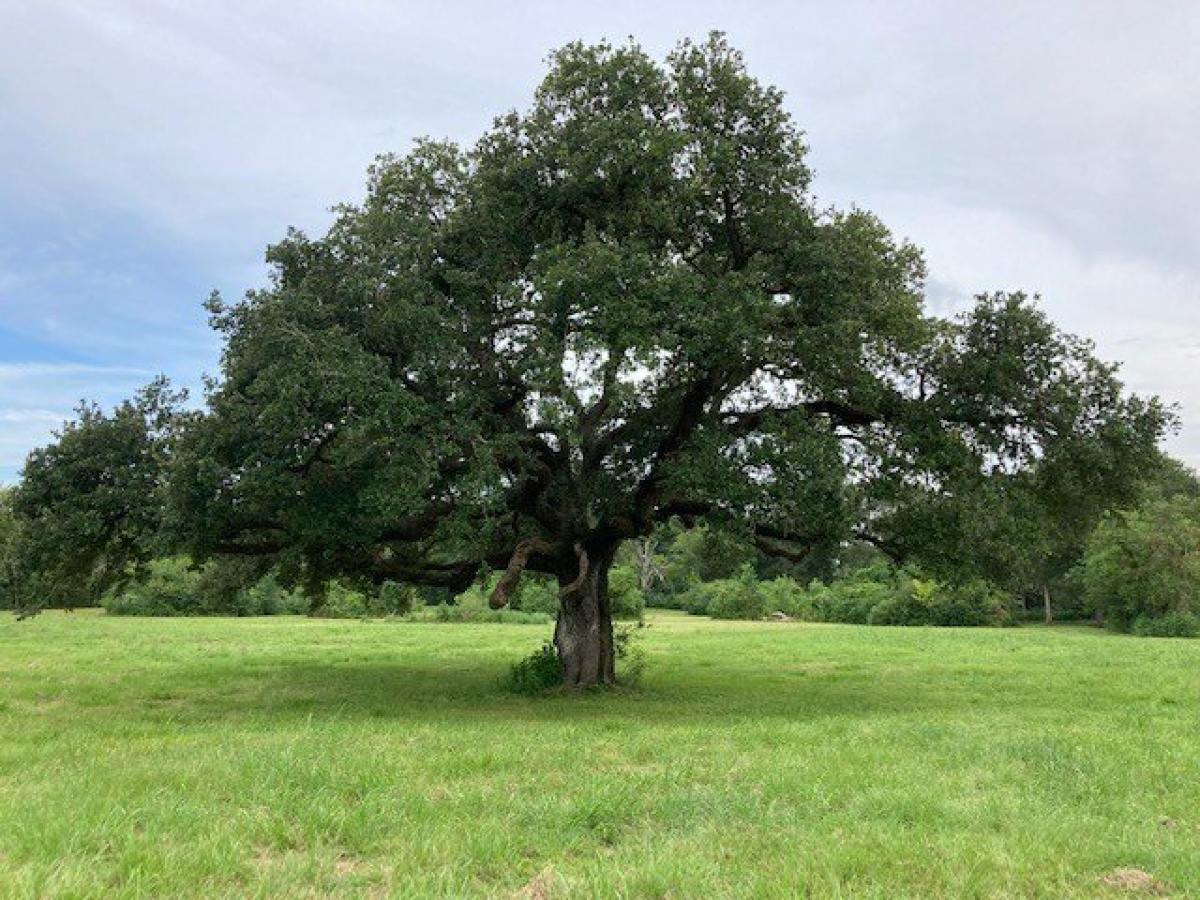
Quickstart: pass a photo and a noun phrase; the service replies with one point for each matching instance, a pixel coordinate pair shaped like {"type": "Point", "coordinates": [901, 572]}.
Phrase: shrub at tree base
{"type": "Point", "coordinates": [541, 671]}
{"type": "Point", "coordinates": [629, 652]}
{"type": "Point", "coordinates": [538, 672]}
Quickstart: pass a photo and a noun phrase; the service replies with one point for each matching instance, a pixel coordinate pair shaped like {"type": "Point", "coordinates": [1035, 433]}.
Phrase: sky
{"type": "Point", "coordinates": [150, 151]}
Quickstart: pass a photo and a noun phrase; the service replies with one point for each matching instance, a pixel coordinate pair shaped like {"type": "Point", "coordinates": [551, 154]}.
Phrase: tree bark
{"type": "Point", "coordinates": [583, 634]}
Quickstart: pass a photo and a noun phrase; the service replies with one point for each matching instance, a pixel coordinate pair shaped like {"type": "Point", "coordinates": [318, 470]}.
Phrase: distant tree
{"type": "Point", "coordinates": [619, 308]}
{"type": "Point", "coordinates": [702, 553]}
{"type": "Point", "coordinates": [1144, 564]}
{"type": "Point", "coordinates": [645, 558]}
{"type": "Point", "coordinates": [1168, 479]}
{"type": "Point", "coordinates": [89, 505]}
{"type": "Point", "coordinates": [8, 538]}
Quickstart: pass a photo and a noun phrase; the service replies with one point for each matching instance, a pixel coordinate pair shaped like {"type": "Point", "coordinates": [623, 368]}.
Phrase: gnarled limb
{"type": "Point", "coordinates": [516, 565]}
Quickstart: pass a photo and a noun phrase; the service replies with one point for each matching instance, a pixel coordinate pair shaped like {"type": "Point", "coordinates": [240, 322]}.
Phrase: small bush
{"type": "Point", "coordinates": [1177, 624]}
{"type": "Point", "coordinates": [167, 587]}
{"type": "Point", "coordinates": [536, 595]}
{"type": "Point", "coordinates": [630, 655]}
{"type": "Point", "coordinates": [788, 596]}
{"type": "Point", "coordinates": [911, 603]}
{"type": "Point", "coordinates": [737, 598]}
{"type": "Point", "coordinates": [341, 602]}
{"type": "Point", "coordinates": [850, 602]}
{"type": "Point", "coordinates": [398, 599]}
{"type": "Point", "coordinates": [1144, 563]}
{"type": "Point", "coordinates": [539, 672]}
{"type": "Point", "coordinates": [625, 598]}
{"type": "Point", "coordinates": [974, 603]}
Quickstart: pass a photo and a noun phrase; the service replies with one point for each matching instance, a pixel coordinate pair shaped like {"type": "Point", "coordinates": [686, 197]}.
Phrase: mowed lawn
{"type": "Point", "coordinates": [289, 757]}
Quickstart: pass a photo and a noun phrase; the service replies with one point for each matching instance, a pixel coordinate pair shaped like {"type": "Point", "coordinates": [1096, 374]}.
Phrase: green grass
{"type": "Point", "coordinates": [234, 757]}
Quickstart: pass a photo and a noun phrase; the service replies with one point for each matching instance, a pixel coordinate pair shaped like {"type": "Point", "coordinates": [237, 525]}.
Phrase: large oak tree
{"type": "Point", "coordinates": [619, 307]}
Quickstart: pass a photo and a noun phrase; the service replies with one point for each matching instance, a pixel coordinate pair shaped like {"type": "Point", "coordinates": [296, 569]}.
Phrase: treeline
{"type": "Point", "coordinates": [1137, 569]}
{"type": "Point", "coordinates": [232, 586]}
{"type": "Point", "coordinates": [875, 595]}
{"type": "Point", "coordinates": [706, 572]}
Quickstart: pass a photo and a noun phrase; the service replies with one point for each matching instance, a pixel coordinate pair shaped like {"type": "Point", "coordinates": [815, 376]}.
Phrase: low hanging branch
{"type": "Point", "coordinates": [516, 565]}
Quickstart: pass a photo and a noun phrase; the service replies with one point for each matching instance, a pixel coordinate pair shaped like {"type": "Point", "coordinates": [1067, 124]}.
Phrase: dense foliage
{"type": "Point", "coordinates": [8, 538]}
{"type": "Point", "coordinates": [173, 587]}
{"type": "Point", "coordinates": [619, 308]}
{"type": "Point", "coordinates": [878, 595]}
{"type": "Point", "coordinates": [1141, 568]}
{"type": "Point", "coordinates": [89, 505]}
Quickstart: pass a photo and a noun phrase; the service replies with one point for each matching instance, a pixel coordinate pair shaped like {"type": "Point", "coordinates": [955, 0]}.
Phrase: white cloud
{"type": "Point", "coordinates": [1024, 144]}
{"type": "Point", "coordinates": [1144, 314]}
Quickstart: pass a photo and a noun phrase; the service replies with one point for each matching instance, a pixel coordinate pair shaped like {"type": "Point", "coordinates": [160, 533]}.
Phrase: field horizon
{"type": "Point", "coordinates": [232, 757]}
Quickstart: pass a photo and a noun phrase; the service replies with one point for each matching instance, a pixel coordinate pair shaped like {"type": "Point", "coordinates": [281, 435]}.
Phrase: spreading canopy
{"type": "Point", "coordinates": [620, 306]}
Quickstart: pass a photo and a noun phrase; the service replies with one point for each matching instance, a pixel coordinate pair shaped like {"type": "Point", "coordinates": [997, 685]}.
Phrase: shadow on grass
{"type": "Point", "coordinates": [675, 695]}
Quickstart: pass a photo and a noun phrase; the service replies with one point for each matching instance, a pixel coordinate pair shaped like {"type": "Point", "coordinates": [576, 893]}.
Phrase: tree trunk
{"type": "Point", "coordinates": [1046, 602]}
{"type": "Point", "coordinates": [649, 571]}
{"type": "Point", "coordinates": [583, 635]}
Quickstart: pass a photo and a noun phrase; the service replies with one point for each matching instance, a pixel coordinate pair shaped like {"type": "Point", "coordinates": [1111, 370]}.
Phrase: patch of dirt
{"type": "Point", "coordinates": [541, 886]}
{"type": "Point", "coordinates": [269, 857]}
{"type": "Point", "coordinates": [1135, 881]}
{"type": "Point", "coordinates": [347, 865]}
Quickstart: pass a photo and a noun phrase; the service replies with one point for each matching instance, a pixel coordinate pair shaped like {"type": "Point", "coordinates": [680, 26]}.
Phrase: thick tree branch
{"type": "Point", "coordinates": [516, 565]}
{"type": "Point", "coordinates": [691, 410]}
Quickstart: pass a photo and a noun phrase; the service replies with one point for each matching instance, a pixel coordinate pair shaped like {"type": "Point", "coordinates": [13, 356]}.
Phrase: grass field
{"type": "Point", "coordinates": [228, 757]}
